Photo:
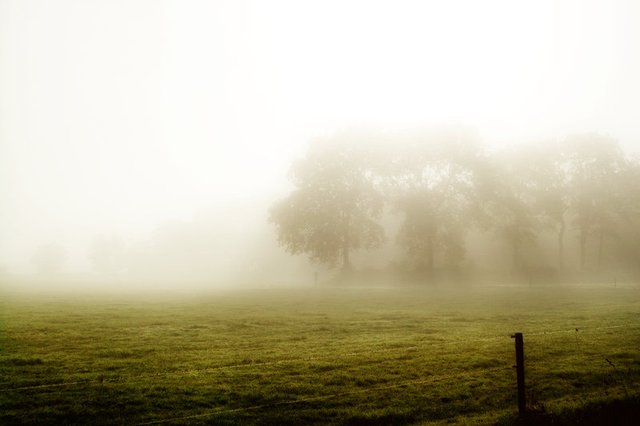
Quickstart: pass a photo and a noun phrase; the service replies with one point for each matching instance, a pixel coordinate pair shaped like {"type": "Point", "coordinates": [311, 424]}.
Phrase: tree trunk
{"type": "Point", "coordinates": [561, 246]}
{"type": "Point", "coordinates": [346, 245]}
{"type": "Point", "coordinates": [600, 244]}
{"type": "Point", "coordinates": [583, 243]}
{"type": "Point", "coordinates": [516, 254]}
{"type": "Point", "coordinates": [430, 253]}
{"type": "Point", "coordinates": [346, 263]}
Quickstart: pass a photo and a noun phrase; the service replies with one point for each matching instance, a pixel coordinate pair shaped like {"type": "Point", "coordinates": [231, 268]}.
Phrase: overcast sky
{"type": "Point", "coordinates": [118, 115]}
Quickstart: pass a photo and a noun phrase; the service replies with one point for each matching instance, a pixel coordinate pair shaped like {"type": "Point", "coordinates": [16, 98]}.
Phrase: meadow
{"type": "Point", "coordinates": [412, 355]}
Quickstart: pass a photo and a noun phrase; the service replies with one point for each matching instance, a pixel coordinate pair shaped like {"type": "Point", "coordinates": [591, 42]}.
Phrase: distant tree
{"type": "Point", "coordinates": [509, 199]}
{"type": "Point", "coordinates": [627, 227]}
{"type": "Point", "coordinates": [554, 200]}
{"type": "Point", "coordinates": [434, 185]}
{"type": "Point", "coordinates": [597, 169]}
{"type": "Point", "coordinates": [49, 259]}
{"type": "Point", "coordinates": [335, 204]}
{"type": "Point", "coordinates": [107, 255]}
{"type": "Point", "coordinates": [582, 181]}
{"type": "Point", "coordinates": [542, 166]}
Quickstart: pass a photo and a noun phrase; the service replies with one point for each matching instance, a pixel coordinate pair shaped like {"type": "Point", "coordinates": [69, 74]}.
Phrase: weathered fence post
{"type": "Point", "coordinates": [522, 402]}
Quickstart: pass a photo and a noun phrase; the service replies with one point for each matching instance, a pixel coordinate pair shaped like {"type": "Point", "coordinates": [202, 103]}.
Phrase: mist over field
{"type": "Point", "coordinates": [326, 213]}
{"type": "Point", "coordinates": [147, 141]}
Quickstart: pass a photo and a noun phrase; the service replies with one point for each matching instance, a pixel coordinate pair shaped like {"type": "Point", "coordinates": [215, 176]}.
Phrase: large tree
{"type": "Point", "coordinates": [434, 189]}
{"type": "Point", "coordinates": [597, 168]}
{"type": "Point", "coordinates": [508, 195]}
{"type": "Point", "coordinates": [541, 169]}
{"type": "Point", "coordinates": [627, 227]}
{"type": "Point", "coordinates": [335, 204]}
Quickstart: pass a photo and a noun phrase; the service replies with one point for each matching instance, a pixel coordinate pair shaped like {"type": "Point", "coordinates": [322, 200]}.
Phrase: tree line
{"type": "Point", "coordinates": [441, 185]}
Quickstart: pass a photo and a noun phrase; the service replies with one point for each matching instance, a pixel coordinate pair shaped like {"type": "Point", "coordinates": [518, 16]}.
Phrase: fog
{"type": "Point", "coordinates": [157, 141]}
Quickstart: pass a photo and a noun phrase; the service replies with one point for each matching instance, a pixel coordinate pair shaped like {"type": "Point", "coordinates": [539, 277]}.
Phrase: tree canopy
{"type": "Point", "coordinates": [439, 187]}
{"type": "Point", "coordinates": [433, 185]}
{"type": "Point", "coordinates": [335, 205]}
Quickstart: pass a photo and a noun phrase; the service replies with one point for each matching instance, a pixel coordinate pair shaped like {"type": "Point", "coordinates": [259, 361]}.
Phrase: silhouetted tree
{"type": "Point", "coordinates": [596, 169]}
{"type": "Point", "coordinates": [335, 205]}
{"type": "Point", "coordinates": [543, 165]}
{"type": "Point", "coordinates": [435, 182]}
{"type": "Point", "coordinates": [627, 227]}
{"type": "Point", "coordinates": [509, 197]}
{"type": "Point", "coordinates": [442, 185]}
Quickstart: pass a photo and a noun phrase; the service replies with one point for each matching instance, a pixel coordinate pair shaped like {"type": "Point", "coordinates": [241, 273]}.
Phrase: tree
{"type": "Point", "coordinates": [509, 198]}
{"type": "Point", "coordinates": [627, 227]}
{"type": "Point", "coordinates": [335, 204]}
{"type": "Point", "coordinates": [434, 185]}
{"type": "Point", "coordinates": [596, 168]}
{"type": "Point", "coordinates": [543, 166]}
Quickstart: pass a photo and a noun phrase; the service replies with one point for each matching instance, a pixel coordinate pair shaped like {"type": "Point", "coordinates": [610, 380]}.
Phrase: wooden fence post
{"type": "Point", "coordinates": [522, 402]}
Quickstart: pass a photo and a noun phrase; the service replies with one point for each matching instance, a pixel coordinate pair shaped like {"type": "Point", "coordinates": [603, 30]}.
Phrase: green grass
{"type": "Point", "coordinates": [316, 356]}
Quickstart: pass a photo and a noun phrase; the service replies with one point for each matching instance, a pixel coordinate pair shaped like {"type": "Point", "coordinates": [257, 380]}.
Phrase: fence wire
{"type": "Point", "coordinates": [600, 361]}
{"type": "Point", "coordinates": [584, 352]}
{"type": "Point", "coordinates": [431, 380]}
{"type": "Point", "coordinates": [246, 365]}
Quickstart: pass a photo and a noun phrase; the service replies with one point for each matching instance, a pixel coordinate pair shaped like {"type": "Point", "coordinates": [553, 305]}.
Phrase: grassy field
{"type": "Point", "coordinates": [316, 356]}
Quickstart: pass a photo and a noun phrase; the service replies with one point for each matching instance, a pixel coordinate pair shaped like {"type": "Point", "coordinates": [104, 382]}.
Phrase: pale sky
{"type": "Point", "coordinates": [118, 115]}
